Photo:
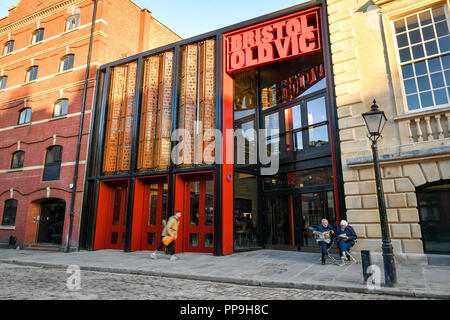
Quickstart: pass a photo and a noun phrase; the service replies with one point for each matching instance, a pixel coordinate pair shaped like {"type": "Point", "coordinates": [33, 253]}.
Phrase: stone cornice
{"type": "Point", "coordinates": [379, 3]}
{"type": "Point", "coordinates": [44, 13]}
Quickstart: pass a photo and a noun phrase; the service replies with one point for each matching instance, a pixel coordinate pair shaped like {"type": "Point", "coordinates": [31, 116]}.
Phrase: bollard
{"type": "Point", "coordinates": [366, 263]}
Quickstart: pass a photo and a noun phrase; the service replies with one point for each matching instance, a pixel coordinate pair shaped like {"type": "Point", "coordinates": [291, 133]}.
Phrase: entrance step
{"type": "Point", "coordinates": [43, 247]}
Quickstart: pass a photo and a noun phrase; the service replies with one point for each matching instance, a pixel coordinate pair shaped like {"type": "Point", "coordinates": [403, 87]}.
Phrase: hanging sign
{"type": "Point", "coordinates": [272, 41]}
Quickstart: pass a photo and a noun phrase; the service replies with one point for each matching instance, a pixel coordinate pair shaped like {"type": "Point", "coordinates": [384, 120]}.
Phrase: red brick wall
{"type": "Point", "coordinates": [116, 20]}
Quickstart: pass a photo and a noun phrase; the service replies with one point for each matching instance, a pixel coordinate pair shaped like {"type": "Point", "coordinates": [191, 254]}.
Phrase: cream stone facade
{"type": "Point", "coordinates": [415, 149]}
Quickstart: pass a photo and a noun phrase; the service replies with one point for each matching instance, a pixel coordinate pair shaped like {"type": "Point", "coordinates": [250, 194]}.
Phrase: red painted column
{"type": "Point", "coordinates": [102, 215]}
{"type": "Point", "coordinates": [227, 166]}
{"type": "Point", "coordinates": [138, 212]}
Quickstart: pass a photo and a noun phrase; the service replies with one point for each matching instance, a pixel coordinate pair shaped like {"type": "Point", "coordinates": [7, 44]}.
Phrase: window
{"type": "Point", "coordinates": [73, 22]}
{"type": "Point", "coordinates": [9, 213]}
{"type": "Point", "coordinates": [423, 43]}
{"type": "Point", "coordinates": [52, 163]}
{"type": "Point", "coordinates": [66, 63]}
{"type": "Point", "coordinates": [3, 81]}
{"type": "Point", "coordinates": [38, 36]}
{"type": "Point", "coordinates": [305, 124]}
{"type": "Point", "coordinates": [17, 160]}
{"type": "Point", "coordinates": [25, 116]}
{"type": "Point", "coordinates": [32, 74]}
{"type": "Point", "coordinates": [61, 108]}
{"type": "Point", "coordinates": [9, 47]}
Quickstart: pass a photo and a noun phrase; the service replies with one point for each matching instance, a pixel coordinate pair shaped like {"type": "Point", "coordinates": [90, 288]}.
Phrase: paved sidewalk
{"type": "Point", "coordinates": [268, 268]}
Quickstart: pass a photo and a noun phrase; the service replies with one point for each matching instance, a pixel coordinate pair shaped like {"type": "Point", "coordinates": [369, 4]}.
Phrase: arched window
{"type": "Point", "coordinates": [9, 47]}
{"type": "Point", "coordinates": [38, 36]}
{"type": "Point", "coordinates": [61, 108]}
{"type": "Point", "coordinates": [66, 63]}
{"type": "Point", "coordinates": [17, 160]}
{"type": "Point", "coordinates": [9, 213]}
{"type": "Point", "coordinates": [32, 74]}
{"type": "Point", "coordinates": [73, 22]}
{"type": "Point", "coordinates": [52, 163]}
{"type": "Point", "coordinates": [3, 81]}
{"type": "Point", "coordinates": [25, 116]}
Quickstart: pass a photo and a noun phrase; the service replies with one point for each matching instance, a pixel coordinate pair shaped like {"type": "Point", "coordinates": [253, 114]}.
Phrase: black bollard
{"type": "Point", "coordinates": [365, 259]}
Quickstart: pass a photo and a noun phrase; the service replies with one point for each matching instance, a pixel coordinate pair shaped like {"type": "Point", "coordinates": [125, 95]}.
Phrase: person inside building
{"type": "Point", "coordinates": [346, 238]}
{"type": "Point", "coordinates": [324, 227]}
{"type": "Point", "coordinates": [170, 229]}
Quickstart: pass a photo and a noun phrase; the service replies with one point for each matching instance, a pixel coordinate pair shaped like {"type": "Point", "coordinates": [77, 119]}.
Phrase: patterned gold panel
{"type": "Point", "coordinates": [156, 117]}
{"type": "Point", "coordinates": [197, 99]}
{"type": "Point", "coordinates": [119, 127]}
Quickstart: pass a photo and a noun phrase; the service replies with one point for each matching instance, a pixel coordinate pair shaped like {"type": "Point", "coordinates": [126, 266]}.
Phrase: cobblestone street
{"type": "Point", "coordinates": [23, 282]}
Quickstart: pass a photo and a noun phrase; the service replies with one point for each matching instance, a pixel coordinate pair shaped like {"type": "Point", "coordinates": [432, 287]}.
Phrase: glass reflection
{"type": "Point", "coordinates": [245, 210]}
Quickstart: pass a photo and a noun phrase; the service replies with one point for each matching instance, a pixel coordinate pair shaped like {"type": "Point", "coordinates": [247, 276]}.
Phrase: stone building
{"type": "Point", "coordinates": [396, 52]}
{"type": "Point", "coordinates": [45, 45]}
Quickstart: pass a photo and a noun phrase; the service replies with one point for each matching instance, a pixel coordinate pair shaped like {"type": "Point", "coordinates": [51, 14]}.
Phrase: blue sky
{"type": "Point", "coordinates": [189, 18]}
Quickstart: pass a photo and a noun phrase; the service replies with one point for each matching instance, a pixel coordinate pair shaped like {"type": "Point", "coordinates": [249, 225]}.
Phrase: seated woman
{"type": "Point", "coordinates": [346, 237]}
{"type": "Point", "coordinates": [324, 226]}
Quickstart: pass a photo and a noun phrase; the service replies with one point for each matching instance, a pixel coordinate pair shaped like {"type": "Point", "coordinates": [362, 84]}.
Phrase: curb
{"type": "Point", "coordinates": [247, 282]}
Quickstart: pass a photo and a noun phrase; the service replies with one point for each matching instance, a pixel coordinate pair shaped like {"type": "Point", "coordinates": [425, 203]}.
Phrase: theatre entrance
{"type": "Point", "coordinates": [312, 207]}
{"type": "Point", "coordinates": [289, 217]}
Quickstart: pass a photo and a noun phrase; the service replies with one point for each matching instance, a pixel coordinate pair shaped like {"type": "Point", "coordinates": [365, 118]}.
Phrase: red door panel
{"type": "Point", "coordinates": [154, 212]}
{"type": "Point", "coordinates": [116, 221]}
{"type": "Point", "coordinates": [198, 217]}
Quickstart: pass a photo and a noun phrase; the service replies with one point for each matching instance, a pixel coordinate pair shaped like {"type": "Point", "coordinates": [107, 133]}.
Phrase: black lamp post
{"type": "Point", "coordinates": [375, 121]}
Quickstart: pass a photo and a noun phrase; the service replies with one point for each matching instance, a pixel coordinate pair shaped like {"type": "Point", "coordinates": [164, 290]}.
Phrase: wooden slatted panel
{"type": "Point", "coordinates": [148, 116]}
{"type": "Point", "coordinates": [188, 100]}
{"type": "Point", "coordinates": [119, 128]}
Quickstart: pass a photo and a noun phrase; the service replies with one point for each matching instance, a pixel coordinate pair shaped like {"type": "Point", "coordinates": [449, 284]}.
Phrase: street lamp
{"type": "Point", "coordinates": [375, 121]}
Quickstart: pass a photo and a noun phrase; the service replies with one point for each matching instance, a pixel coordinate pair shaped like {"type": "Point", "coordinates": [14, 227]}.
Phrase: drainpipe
{"type": "Point", "coordinates": [80, 130]}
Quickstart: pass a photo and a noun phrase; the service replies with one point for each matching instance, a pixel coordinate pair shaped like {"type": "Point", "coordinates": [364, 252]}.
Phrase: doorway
{"type": "Point", "coordinates": [279, 222]}
{"type": "Point", "coordinates": [198, 215]}
{"type": "Point", "coordinates": [111, 215]}
{"type": "Point", "coordinates": [51, 222]}
{"type": "Point", "coordinates": [434, 202]}
{"type": "Point", "coordinates": [312, 207]}
{"type": "Point", "coordinates": [154, 212]}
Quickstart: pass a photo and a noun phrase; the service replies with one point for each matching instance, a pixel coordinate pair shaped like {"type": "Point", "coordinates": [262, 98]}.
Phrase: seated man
{"type": "Point", "coordinates": [324, 226]}
{"type": "Point", "coordinates": [346, 237]}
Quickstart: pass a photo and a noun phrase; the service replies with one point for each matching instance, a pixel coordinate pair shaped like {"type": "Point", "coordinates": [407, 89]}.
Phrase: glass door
{"type": "Point", "coordinates": [314, 207]}
{"type": "Point", "coordinates": [279, 231]}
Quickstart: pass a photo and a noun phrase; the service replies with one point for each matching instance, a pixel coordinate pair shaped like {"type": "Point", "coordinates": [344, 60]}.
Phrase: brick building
{"type": "Point", "coordinates": [45, 45]}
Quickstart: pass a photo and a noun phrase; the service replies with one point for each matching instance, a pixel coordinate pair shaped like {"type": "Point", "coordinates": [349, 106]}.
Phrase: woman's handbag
{"type": "Point", "coordinates": [167, 240]}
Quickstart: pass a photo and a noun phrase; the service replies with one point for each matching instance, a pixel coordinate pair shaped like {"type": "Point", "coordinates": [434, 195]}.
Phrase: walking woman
{"type": "Point", "coordinates": [170, 229]}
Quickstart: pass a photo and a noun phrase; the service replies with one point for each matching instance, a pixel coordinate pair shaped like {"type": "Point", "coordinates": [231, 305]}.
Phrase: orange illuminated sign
{"type": "Point", "coordinates": [275, 40]}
